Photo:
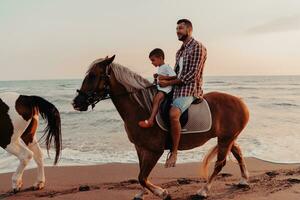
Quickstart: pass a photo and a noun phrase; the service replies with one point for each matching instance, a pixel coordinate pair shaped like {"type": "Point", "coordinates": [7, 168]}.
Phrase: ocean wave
{"type": "Point", "coordinates": [244, 88]}
{"type": "Point", "coordinates": [70, 112]}
{"type": "Point", "coordinates": [106, 120]}
{"type": "Point", "coordinates": [65, 85]}
{"type": "Point", "coordinates": [215, 82]}
{"type": "Point", "coordinates": [286, 104]}
{"type": "Point", "coordinates": [274, 88]}
{"type": "Point", "coordinates": [253, 97]}
{"type": "Point", "coordinates": [297, 84]}
{"type": "Point", "coordinates": [74, 112]}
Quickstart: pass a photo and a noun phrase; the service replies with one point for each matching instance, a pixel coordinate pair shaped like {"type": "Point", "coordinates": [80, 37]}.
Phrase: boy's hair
{"type": "Point", "coordinates": [187, 22]}
{"type": "Point", "coordinates": [157, 52]}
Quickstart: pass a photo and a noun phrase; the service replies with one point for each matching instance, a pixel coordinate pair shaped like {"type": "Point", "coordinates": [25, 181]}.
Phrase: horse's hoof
{"type": "Point", "coordinates": [243, 186]}
{"type": "Point", "coordinates": [38, 186]}
{"type": "Point", "coordinates": [243, 183]}
{"type": "Point", "coordinates": [201, 194]}
{"type": "Point", "coordinates": [17, 186]}
{"type": "Point", "coordinates": [197, 197]}
{"type": "Point", "coordinates": [16, 190]}
{"type": "Point", "coordinates": [168, 197]}
{"type": "Point", "coordinates": [137, 198]}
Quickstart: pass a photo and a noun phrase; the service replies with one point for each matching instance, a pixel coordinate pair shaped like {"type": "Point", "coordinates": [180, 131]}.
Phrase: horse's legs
{"type": "Point", "coordinates": [148, 161]}
{"type": "Point", "coordinates": [143, 191]}
{"type": "Point", "coordinates": [236, 151]}
{"type": "Point", "coordinates": [20, 150]}
{"type": "Point", "coordinates": [141, 194]}
{"type": "Point", "coordinates": [223, 149]}
{"type": "Point", "coordinates": [38, 158]}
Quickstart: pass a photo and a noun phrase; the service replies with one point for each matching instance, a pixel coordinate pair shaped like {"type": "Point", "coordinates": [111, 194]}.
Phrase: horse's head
{"type": "Point", "coordinates": [95, 85]}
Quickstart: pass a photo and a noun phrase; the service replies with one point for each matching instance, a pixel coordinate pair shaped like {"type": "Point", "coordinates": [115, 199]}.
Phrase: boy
{"type": "Point", "coordinates": [157, 58]}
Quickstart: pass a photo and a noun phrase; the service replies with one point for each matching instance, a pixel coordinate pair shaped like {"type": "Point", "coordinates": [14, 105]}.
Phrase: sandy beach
{"type": "Point", "coordinates": [98, 86]}
{"type": "Point", "coordinates": [118, 181]}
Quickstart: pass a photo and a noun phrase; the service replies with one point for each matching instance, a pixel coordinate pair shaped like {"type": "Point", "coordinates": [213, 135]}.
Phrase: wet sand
{"type": "Point", "coordinates": [119, 181]}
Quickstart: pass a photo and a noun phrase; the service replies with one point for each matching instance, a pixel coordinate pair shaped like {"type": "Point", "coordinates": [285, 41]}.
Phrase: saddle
{"type": "Point", "coordinates": [197, 118]}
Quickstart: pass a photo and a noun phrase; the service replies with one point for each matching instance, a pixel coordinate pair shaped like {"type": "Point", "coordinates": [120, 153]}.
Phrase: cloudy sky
{"type": "Point", "coordinates": [59, 38]}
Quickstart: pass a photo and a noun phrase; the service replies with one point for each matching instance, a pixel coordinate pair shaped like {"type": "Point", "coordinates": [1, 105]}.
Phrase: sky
{"type": "Point", "coordinates": [58, 39]}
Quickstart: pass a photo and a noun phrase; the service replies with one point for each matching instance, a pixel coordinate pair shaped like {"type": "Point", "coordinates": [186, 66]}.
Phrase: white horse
{"type": "Point", "coordinates": [19, 118]}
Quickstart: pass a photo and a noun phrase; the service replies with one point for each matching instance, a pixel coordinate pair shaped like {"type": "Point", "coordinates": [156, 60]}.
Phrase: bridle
{"type": "Point", "coordinates": [92, 97]}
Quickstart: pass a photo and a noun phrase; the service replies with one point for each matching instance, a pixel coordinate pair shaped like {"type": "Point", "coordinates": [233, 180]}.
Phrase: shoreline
{"type": "Point", "coordinates": [108, 181]}
{"type": "Point", "coordinates": [229, 158]}
{"type": "Point", "coordinates": [33, 165]}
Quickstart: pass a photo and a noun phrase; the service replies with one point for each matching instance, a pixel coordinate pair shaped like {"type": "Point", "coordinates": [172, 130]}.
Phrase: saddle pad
{"type": "Point", "coordinates": [199, 119]}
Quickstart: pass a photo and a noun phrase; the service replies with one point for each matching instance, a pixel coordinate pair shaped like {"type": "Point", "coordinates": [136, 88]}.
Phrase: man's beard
{"type": "Point", "coordinates": [182, 37]}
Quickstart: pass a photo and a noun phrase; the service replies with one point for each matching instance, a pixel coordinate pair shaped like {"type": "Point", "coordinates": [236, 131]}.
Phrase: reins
{"type": "Point", "coordinates": [93, 97]}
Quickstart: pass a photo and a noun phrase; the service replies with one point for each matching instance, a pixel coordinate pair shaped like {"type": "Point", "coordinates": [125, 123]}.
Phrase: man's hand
{"type": "Point", "coordinates": [165, 83]}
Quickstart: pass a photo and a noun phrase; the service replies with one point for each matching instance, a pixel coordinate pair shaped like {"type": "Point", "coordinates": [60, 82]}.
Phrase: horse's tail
{"type": "Point", "coordinates": [207, 159]}
{"type": "Point", "coordinates": [53, 129]}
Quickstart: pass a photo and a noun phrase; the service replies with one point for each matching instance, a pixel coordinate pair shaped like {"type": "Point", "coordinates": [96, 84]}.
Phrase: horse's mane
{"type": "Point", "coordinates": [140, 88]}
{"type": "Point", "coordinates": [135, 83]}
{"type": "Point", "coordinates": [93, 64]}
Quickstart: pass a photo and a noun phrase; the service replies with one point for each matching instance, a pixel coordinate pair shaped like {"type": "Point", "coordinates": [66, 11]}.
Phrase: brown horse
{"type": "Point", "coordinates": [132, 96]}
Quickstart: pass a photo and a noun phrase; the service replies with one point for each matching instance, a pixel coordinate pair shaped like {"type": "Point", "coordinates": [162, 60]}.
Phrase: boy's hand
{"type": "Point", "coordinates": [161, 77]}
{"type": "Point", "coordinates": [167, 78]}
{"type": "Point", "coordinates": [163, 83]}
{"type": "Point", "coordinates": [155, 75]}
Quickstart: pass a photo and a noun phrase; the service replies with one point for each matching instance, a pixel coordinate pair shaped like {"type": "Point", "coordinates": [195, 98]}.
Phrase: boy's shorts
{"type": "Point", "coordinates": [165, 92]}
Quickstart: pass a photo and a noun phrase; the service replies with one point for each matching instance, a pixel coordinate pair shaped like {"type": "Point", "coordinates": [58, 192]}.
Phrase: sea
{"type": "Point", "coordinates": [97, 136]}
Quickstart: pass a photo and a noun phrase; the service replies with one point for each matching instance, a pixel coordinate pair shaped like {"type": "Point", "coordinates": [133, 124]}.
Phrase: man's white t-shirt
{"type": "Point", "coordinates": [165, 70]}
{"type": "Point", "coordinates": [180, 63]}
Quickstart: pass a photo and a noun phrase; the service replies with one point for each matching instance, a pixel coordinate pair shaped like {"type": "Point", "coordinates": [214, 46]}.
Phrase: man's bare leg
{"type": "Point", "coordinates": [175, 132]}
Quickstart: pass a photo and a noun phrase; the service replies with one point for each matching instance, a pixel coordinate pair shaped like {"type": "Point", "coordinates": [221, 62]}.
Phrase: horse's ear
{"type": "Point", "coordinates": [108, 60]}
{"type": "Point", "coordinates": [111, 59]}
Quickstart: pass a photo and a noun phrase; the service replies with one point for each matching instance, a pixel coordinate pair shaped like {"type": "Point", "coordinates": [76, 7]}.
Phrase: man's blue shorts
{"type": "Point", "coordinates": [183, 103]}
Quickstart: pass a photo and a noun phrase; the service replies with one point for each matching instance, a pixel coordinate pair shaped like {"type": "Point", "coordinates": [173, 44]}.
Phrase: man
{"type": "Point", "coordinates": [190, 59]}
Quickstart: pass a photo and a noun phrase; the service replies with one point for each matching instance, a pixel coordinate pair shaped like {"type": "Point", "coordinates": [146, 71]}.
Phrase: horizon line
{"type": "Point", "coordinates": [53, 79]}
